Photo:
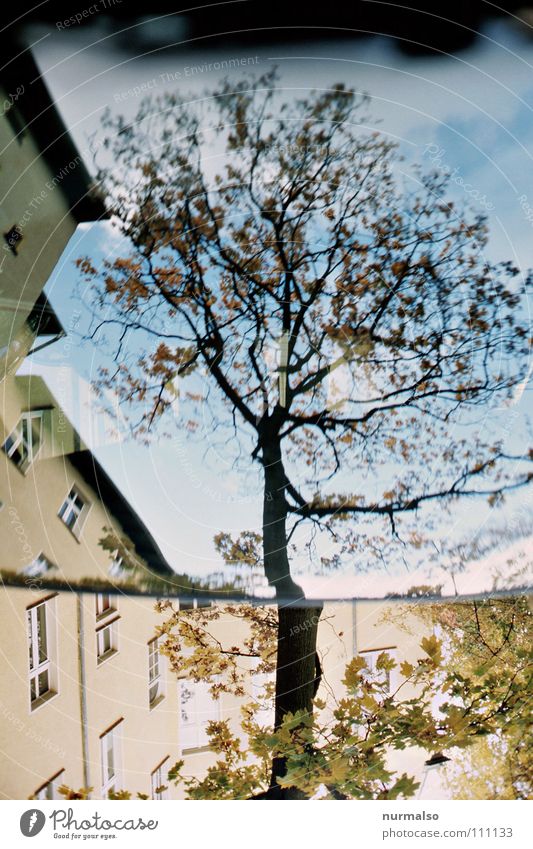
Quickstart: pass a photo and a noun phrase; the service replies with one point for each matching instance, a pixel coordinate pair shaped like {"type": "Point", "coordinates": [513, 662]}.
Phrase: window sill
{"type": "Point", "coordinates": [157, 702]}
{"type": "Point", "coordinates": [22, 470]}
{"type": "Point", "coordinates": [101, 617]}
{"type": "Point", "coordinates": [107, 790]}
{"type": "Point", "coordinates": [196, 750]}
{"type": "Point", "coordinates": [43, 700]}
{"type": "Point", "coordinates": [107, 656]}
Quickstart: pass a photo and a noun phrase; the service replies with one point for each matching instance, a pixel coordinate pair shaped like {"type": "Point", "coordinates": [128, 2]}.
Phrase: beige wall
{"type": "Point", "coordinates": [48, 226]}
{"type": "Point", "coordinates": [37, 744]}
{"type": "Point", "coordinates": [118, 687]}
{"type": "Point", "coordinates": [29, 521]}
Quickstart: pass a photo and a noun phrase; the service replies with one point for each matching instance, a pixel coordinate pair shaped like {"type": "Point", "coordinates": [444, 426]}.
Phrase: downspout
{"type": "Point", "coordinates": [354, 628]}
{"type": "Point", "coordinates": [43, 345]}
{"type": "Point", "coordinates": [82, 685]}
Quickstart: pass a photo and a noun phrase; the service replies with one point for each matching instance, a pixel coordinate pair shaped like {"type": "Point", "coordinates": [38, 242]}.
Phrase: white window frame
{"type": "Point", "coordinates": [156, 673]}
{"type": "Point", "coordinates": [105, 608]}
{"type": "Point", "coordinates": [156, 781]}
{"type": "Point", "coordinates": [107, 639]}
{"type": "Point", "coordinates": [116, 567]}
{"type": "Point", "coordinates": [371, 656]}
{"type": "Point", "coordinates": [192, 733]}
{"type": "Point", "coordinates": [24, 439]}
{"type": "Point", "coordinates": [38, 667]}
{"type": "Point", "coordinates": [266, 714]}
{"type": "Point", "coordinates": [111, 742]}
{"type": "Point", "coordinates": [50, 789]}
{"type": "Point", "coordinates": [69, 507]}
{"type": "Point", "coordinates": [38, 567]}
{"type": "Point", "coordinates": [195, 603]}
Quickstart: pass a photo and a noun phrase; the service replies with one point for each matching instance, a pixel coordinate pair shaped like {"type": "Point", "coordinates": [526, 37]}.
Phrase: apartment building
{"type": "Point", "coordinates": [45, 192]}
{"type": "Point", "coordinates": [73, 692]}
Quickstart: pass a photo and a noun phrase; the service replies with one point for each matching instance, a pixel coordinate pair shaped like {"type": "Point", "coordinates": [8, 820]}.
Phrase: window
{"type": "Point", "coordinates": [16, 122]}
{"type": "Point", "coordinates": [107, 640]}
{"type": "Point", "coordinates": [197, 709]}
{"type": "Point", "coordinates": [194, 603]}
{"type": "Point", "coordinates": [156, 681]}
{"type": "Point", "coordinates": [107, 629]}
{"type": "Point", "coordinates": [74, 511]}
{"type": "Point", "coordinates": [117, 569]}
{"type": "Point", "coordinates": [38, 567]}
{"type": "Point", "coordinates": [157, 781]}
{"type": "Point", "coordinates": [263, 689]}
{"type": "Point", "coordinates": [110, 758]}
{"type": "Point", "coordinates": [103, 605]}
{"type": "Point", "coordinates": [13, 237]}
{"type": "Point", "coordinates": [40, 645]}
{"type": "Point", "coordinates": [383, 675]}
{"type": "Point", "coordinates": [50, 790]}
{"type": "Point", "coordinates": [22, 445]}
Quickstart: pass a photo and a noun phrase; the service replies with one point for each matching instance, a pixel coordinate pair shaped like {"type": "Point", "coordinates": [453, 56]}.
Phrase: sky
{"type": "Point", "coordinates": [469, 113]}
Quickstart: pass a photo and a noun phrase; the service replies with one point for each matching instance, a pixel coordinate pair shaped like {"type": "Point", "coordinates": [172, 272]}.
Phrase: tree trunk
{"type": "Point", "coordinates": [297, 668]}
{"type": "Point", "coordinates": [276, 561]}
{"type": "Point", "coordinates": [297, 675]}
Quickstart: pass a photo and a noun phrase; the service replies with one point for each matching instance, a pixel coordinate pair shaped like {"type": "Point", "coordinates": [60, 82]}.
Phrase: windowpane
{"type": "Point", "coordinates": [117, 568]}
{"type": "Point", "coordinates": [197, 708]}
{"type": "Point", "coordinates": [159, 788]}
{"type": "Point", "coordinates": [155, 679]}
{"type": "Point", "coordinates": [106, 642]}
{"type": "Point", "coordinates": [71, 509]}
{"type": "Point", "coordinates": [103, 604]}
{"type": "Point", "coordinates": [40, 565]}
{"type": "Point", "coordinates": [382, 675]}
{"type": "Point", "coordinates": [43, 683]}
{"type": "Point", "coordinates": [153, 660]}
{"type": "Point", "coordinates": [110, 759]}
{"type": "Point", "coordinates": [23, 443]}
{"type": "Point", "coordinates": [39, 657]}
{"type": "Point", "coordinates": [51, 789]}
{"type": "Point", "coordinates": [41, 633]}
{"type": "Point", "coordinates": [30, 638]}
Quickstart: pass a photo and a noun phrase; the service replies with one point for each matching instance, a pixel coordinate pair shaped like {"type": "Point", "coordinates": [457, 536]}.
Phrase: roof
{"type": "Point", "coordinates": [36, 107]}
{"type": "Point", "coordinates": [113, 499]}
{"type": "Point", "coordinates": [43, 320]}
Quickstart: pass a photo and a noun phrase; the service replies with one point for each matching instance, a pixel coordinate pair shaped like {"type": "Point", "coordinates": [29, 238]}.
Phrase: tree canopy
{"type": "Point", "coordinates": [347, 320]}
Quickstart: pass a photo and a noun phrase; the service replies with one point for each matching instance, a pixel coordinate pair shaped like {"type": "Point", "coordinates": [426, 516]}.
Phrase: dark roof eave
{"type": "Point", "coordinates": [46, 126]}
{"type": "Point", "coordinates": [43, 318]}
{"type": "Point", "coordinates": [117, 505]}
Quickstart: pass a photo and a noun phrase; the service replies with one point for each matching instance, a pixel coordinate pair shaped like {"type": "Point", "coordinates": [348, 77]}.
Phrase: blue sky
{"type": "Point", "coordinates": [470, 112]}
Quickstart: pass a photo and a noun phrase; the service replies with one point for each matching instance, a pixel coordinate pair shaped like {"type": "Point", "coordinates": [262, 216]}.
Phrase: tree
{"type": "Point", "coordinates": [469, 693]}
{"type": "Point", "coordinates": [347, 327]}
{"type": "Point", "coordinates": [490, 661]}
